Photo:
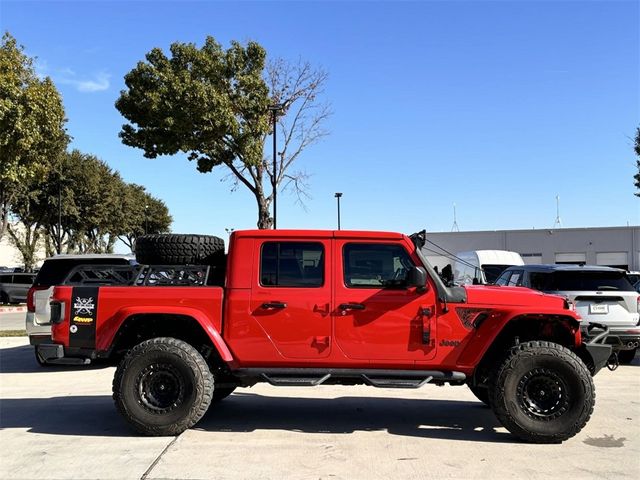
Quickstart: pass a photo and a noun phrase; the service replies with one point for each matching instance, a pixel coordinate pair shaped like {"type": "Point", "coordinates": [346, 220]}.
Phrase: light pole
{"type": "Point", "coordinates": [338, 195]}
{"type": "Point", "coordinates": [274, 109]}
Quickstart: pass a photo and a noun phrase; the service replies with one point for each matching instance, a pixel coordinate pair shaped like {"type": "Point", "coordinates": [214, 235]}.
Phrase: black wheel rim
{"type": "Point", "coordinates": [160, 388]}
{"type": "Point", "coordinates": [543, 394]}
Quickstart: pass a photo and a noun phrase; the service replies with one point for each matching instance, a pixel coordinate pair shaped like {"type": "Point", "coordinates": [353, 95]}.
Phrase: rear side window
{"type": "Point", "coordinates": [54, 271]}
{"type": "Point", "coordinates": [23, 279]}
{"type": "Point", "coordinates": [375, 265]}
{"type": "Point", "coordinates": [292, 264]}
{"type": "Point", "coordinates": [5, 278]}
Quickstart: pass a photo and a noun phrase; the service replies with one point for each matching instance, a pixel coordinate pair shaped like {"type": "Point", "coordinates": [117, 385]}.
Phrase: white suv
{"type": "Point", "coordinates": [600, 294]}
{"type": "Point", "coordinates": [54, 271]}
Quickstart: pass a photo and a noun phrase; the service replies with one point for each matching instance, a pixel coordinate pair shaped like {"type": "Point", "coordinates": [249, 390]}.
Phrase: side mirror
{"type": "Point", "coordinates": [417, 278]}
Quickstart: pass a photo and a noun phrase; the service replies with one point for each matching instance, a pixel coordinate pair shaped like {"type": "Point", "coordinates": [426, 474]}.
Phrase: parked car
{"type": "Point", "coordinates": [53, 272]}
{"type": "Point", "coordinates": [600, 294]}
{"type": "Point", "coordinates": [482, 266]}
{"type": "Point", "coordinates": [14, 287]}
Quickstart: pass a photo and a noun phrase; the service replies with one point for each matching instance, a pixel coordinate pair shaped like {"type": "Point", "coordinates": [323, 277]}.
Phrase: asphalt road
{"type": "Point", "coordinates": [60, 423]}
{"type": "Point", "coordinates": [12, 321]}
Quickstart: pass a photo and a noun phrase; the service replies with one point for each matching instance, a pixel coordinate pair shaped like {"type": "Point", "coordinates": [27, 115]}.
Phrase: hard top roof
{"type": "Point", "coordinates": [564, 268]}
{"type": "Point", "coordinates": [363, 234]}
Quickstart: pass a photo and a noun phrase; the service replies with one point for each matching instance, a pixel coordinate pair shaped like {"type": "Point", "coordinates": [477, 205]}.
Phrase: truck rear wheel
{"type": "Point", "coordinates": [542, 393]}
{"type": "Point", "coordinates": [180, 249]}
{"type": "Point", "coordinates": [163, 386]}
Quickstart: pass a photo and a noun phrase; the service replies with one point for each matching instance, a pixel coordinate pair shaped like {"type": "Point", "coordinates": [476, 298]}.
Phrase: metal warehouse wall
{"type": "Point", "coordinates": [546, 243]}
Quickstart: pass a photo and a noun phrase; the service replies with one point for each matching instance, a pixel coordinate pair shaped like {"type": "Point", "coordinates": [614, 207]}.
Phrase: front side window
{"type": "Point", "coordinates": [292, 264]}
{"type": "Point", "coordinates": [376, 265]}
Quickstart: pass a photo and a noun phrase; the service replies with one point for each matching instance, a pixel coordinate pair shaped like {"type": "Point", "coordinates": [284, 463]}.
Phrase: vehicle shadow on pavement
{"type": "Point", "coordinates": [440, 419]}
{"type": "Point", "coordinates": [66, 415]}
{"type": "Point", "coordinates": [22, 359]}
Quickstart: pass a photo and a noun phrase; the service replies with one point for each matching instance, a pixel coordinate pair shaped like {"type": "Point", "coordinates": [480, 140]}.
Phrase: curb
{"type": "Point", "coordinates": [12, 310]}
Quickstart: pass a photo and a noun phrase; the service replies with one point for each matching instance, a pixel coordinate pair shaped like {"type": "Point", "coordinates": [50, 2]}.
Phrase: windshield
{"type": "Point", "coordinates": [580, 281]}
{"type": "Point", "coordinates": [492, 272]}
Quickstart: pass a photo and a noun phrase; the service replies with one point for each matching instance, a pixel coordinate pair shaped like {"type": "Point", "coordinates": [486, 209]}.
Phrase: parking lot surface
{"type": "Point", "coordinates": [12, 320]}
{"type": "Point", "coordinates": [60, 423]}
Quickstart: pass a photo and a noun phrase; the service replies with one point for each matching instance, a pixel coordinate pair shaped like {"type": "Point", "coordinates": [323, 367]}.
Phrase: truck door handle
{"type": "Point", "coordinates": [271, 305]}
{"type": "Point", "coordinates": [351, 306]}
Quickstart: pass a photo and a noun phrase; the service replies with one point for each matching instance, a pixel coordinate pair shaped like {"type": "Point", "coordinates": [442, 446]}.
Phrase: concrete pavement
{"type": "Point", "coordinates": [60, 423]}
{"type": "Point", "coordinates": [12, 321]}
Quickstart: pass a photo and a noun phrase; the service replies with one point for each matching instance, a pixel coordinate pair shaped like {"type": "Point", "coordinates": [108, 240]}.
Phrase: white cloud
{"type": "Point", "coordinates": [97, 82]}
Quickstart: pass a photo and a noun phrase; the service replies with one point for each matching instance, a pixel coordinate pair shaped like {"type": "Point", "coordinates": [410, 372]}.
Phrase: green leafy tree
{"type": "Point", "coordinates": [636, 148]}
{"type": "Point", "coordinates": [32, 124]}
{"type": "Point", "coordinates": [141, 213]}
{"type": "Point", "coordinates": [25, 230]}
{"type": "Point", "coordinates": [212, 104]}
{"type": "Point", "coordinates": [90, 204]}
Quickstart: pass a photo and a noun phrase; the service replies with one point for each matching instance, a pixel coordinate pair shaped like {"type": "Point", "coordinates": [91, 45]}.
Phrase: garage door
{"type": "Point", "coordinates": [571, 258]}
{"type": "Point", "coordinates": [612, 259]}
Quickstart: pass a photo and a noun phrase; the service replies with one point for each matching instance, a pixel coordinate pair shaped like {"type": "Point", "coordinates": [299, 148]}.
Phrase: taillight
{"type": "Point", "coordinates": [31, 304]}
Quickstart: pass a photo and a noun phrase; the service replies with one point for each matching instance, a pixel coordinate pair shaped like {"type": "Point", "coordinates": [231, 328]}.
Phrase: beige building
{"type": "Point", "coordinates": [10, 256]}
{"type": "Point", "coordinates": [610, 246]}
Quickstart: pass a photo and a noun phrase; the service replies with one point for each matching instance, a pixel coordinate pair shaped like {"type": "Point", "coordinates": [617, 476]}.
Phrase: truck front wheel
{"type": "Point", "coordinates": [163, 386]}
{"type": "Point", "coordinates": [542, 393]}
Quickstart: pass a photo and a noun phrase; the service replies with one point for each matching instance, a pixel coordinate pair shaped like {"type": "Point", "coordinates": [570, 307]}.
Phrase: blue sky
{"type": "Point", "coordinates": [496, 106]}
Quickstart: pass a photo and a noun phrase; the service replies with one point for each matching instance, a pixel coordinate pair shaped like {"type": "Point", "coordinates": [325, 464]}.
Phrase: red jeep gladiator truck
{"type": "Point", "coordinates": [305, 308]}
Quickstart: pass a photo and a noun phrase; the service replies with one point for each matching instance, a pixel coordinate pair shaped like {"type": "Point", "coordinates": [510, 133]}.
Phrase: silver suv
{"type": "Point", "coordinates": [600, 294]}
{"type": "Point", "coordinates": [54, 271]}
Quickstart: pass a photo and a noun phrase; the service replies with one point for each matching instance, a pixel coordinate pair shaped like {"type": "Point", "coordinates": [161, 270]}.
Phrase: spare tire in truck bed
{"type": "Point", "coordinates": [180, 249]}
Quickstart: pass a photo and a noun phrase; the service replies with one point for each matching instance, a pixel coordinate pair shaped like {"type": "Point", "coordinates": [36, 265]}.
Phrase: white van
{"type": "Point", "coordinates": [483, 266]}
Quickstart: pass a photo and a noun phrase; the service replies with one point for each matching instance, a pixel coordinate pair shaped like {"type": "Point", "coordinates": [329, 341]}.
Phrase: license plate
{"type": "Point", "coordinates": [599, 308]}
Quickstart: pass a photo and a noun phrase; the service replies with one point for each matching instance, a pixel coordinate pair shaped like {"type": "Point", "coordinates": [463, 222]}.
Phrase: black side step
{"type": "Point", "coordinates": [397, 382]}
{"type": "Point", "coordinates": [285, 381]}
{"type": "Point", "coordinates": [309, 377]}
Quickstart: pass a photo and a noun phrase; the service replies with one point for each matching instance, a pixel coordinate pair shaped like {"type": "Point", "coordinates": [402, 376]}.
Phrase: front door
{"type": "Point", "coordinates": [292, 301]}
{"type": "Point", "coordinates": [377, 317]}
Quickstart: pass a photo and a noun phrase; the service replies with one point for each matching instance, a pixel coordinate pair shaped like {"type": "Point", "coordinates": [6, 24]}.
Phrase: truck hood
{"type": "Point", "coordinates": [516, 296]}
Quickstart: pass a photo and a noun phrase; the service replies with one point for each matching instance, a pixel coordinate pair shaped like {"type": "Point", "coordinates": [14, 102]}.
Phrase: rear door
{"type": "Point", "coordinates": [292, 299]}
{"type": "Point", "coordinates": [376, 316]}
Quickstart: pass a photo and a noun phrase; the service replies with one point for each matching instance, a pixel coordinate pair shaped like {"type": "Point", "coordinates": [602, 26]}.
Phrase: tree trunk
{"type": "Point", "coordinates": [27, 245]}
{"type": "Point", "coordinates": [265, 221]}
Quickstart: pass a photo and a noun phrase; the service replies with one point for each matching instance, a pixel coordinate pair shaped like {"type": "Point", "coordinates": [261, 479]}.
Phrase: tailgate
{"type": "Point", "coordinates": [611, 308]}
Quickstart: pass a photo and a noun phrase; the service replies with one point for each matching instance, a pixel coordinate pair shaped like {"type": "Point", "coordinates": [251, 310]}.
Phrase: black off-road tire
{"type": "Point", "coordinates": [180, 249]}
{"type": "Point", "coordinates": [163, 386]}
{"type": "Point", "coordinates": [542, 392]}
{"type": "Point", "coordinates": [481, 393]}
{"type": "Point", "coordinates": [220, 393]}
{"type": "Point", "coordinates": [625, 357]}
